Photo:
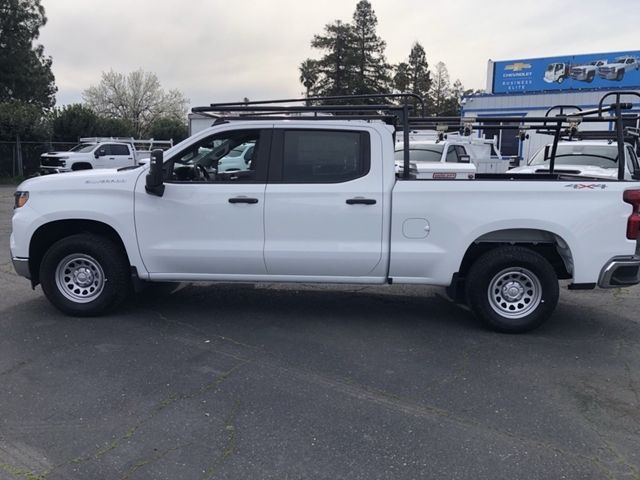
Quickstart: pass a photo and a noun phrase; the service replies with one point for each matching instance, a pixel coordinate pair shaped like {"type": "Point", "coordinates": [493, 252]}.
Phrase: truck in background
{"type": "Point", "coordinates": [101, 152]}
{"type": "Point", "coordinates": [586, 73]}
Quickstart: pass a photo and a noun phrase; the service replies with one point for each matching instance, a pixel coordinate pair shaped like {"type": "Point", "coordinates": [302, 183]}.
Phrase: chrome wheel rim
{"type": "Point", "coordinates": [80, 278]}
{"type": "Point", "coordinates": [514, 292]}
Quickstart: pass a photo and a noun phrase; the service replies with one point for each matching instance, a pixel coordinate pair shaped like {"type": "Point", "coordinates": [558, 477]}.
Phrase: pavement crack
{"type": "Point", "coordinates": [230, 446]}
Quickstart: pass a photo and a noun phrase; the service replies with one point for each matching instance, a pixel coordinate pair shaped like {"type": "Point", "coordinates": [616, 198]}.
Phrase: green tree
{"type": "Point", "coordinates": [115, 127]}
{"type": "Point", "coordinates": [20, 120]}
{"type": "Point", "coordinates": [138, 98]}
{"type": "Point", "coordinates": [168, 129]}
{"type": "Point", "coordinates": [25, 72]}
{"type": "Point", "coordinates": [371, 70]}
{"type": "Point", "coordinates": [334, 69]}
{"type": "Point", "coordinates": [72, 122]}
{"type": "Point", "coordinates": [413, 76]}
{"type": "Point", "coordinates": [451, 106]}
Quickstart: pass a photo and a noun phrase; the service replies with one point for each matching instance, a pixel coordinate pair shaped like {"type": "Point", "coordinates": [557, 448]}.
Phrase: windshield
{"type": "Point", "coordinates": [620, 59]}
{"type": "Point", "coordinates": [603, 156]}
{"type": "Point", "coordinates": [431, 154]}
{"type": "Point", "coordinates": [83, 147]}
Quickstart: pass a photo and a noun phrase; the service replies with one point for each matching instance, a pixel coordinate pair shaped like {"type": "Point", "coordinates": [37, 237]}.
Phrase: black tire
{"type": "Point", "coordinates": [99, 261]}
{"type": "Point", "coordinates": [561, 79]}
{"type": "Point", "coordinates": [590, 77]}
{"type": "Point", "coordinates": [620, 75]}
{"type": "Point", "coordinates": [517, 271]}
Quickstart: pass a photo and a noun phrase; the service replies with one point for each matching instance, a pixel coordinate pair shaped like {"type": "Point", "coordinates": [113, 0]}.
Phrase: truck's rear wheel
{"type": "Point", "coordinates": [85, 275]}
{"type": "Point", "coordinates": [512, 289]}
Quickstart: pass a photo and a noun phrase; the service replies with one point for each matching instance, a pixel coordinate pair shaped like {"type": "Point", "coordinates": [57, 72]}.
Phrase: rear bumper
{"type": "Point", "coordinates": [620, 272]}
{"type": "Point", "coordinates": [21, 266]}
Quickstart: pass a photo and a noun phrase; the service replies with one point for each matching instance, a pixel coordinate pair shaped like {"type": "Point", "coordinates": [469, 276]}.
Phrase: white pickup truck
{"type": "Point", "coordinates": [589, 158]}
{"type": "Point", "coordinates": [320, 201]}
{"type": "Point", "coordinates": [99, 152]}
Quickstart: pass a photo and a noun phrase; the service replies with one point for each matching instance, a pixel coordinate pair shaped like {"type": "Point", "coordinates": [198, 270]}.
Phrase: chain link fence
{"type": "Point", "coordinates": [22, 159]}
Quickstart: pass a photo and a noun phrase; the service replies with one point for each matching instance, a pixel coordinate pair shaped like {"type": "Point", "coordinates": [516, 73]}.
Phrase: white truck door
{"type": "Point", "coordinates": [206, 223]}
{"type": "Point", "coordinates": [324, 212]}
{"type": "Point", "coordinates": [121, 156]}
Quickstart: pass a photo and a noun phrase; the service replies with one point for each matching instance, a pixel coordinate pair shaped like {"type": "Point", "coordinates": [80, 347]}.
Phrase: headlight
{"type": "Point", "coordinates": [20, 198]}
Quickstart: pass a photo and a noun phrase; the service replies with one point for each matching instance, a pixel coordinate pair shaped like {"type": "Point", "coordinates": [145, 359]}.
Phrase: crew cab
{"type": "Point", "coordinates": [99, 152]}
{"type": "Point", "coordinates": [321, 202]}
{"type": "Point", "coordinates": [590, 158]}
{"type": "Point", "coordinates": [617, 69]}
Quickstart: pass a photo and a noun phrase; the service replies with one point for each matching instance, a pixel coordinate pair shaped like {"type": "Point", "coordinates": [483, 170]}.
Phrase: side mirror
{"type": "Point", "coordinates": [155, 178]}
{"type": "Point", "coordinates": [464, 159]}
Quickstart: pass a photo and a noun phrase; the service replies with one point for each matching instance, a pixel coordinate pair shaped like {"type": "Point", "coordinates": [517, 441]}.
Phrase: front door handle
{"type": "Point", "coordinates": [243, 200]}
{"type": "Point", "coordinates": [361, 201]}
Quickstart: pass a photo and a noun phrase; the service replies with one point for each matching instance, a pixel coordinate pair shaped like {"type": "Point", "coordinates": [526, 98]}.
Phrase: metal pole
{"type": "Point", "coordinates": [620, 140]}
{"type": "Point", "coordinates": [19, 154]}
{"type": "Point", "coordinates": [554, 147]}
{"type": "Point", "coordinates": [405, 138]}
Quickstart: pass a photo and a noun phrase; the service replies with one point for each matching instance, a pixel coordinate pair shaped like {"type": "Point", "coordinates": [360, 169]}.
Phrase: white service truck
{"type": "Point", "coordinates": [321, 202]}
{"type": "Point", "coordinates": [426, 150]}
{"type": "Point", "coordinates": [589, 158]}
{"type": "Point", "coordinates": [99, 152]}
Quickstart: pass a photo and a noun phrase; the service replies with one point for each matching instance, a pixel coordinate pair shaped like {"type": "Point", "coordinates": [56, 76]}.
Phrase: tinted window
{"type": "Point", "coordinates": [103, 150]}
{"type": "Point", "coordinates": [421, 154]}
{"type": "Point", "coordinates": [323, 156]}
{"type": "Point", "coordinates": [452, 156]}
{"type": "Point", "coordinates": [119, 150]}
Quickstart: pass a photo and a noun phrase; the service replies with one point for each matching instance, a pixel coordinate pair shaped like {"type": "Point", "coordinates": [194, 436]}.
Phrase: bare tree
{"type": "Point", "coordinates": [137, 97]}
{"type": "Point", "coordinates": [440, 88]}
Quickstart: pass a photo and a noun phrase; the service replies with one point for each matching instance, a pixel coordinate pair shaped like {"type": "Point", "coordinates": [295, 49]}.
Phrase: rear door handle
{"type": "Point", "coordinates": [361, 201]}
{"type": "Point", "coordinates": [243, 200]}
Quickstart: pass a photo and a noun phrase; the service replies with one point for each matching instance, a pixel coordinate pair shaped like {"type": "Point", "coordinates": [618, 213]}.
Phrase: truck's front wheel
{"type": "Point", "coordinates": [512, 289]}
{"type": "Point", "coordinates": [85, 275]}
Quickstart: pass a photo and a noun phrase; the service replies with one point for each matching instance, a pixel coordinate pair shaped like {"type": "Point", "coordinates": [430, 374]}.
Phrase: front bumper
{"type": "Point", "coordinates": [620, 272]}
{"type": "Point", "coordinates": [21, 266]}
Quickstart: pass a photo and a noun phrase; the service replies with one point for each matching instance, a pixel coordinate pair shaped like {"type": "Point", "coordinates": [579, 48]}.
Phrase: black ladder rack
{"type": "Point", "coordinates": [401, 115]}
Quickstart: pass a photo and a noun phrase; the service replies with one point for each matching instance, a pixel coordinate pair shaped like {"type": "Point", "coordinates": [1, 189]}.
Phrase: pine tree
{"type": "Point", "coordinates": [25, 73]}
{"type": "Point", "coordinates": [413, 76]}
{"type": "Point", "coordinates": [372, 72]}
{"type": "Point", "coordinates": [334, 69]}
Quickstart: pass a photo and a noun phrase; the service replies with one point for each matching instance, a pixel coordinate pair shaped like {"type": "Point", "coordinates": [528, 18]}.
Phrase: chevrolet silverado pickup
{"type": "Point", "coordinates": [320, 201]}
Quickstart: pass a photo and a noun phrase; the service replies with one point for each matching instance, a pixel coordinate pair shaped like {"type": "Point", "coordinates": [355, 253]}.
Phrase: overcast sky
{"type": "Point", "coordinates": [222, 50]}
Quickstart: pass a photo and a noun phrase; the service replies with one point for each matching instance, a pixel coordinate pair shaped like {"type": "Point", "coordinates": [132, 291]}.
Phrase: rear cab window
{"type": "Point", "coordinates": [319, 156]}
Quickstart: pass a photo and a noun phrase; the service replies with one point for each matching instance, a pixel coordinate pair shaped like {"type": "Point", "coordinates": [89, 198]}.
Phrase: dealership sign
{"type": "Point", "coordinates": [572, 72]}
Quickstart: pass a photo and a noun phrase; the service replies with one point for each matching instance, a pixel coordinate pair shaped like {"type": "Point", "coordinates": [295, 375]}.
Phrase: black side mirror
{"type": "Point", "coordinates": [155, 178]}
{"type": "Point", "coordinates": [464, 158]}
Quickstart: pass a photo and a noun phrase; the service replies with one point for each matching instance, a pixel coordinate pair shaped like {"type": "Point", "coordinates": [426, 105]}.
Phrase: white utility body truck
{"type": "Point", "coordinates": [427, 149]}
{"type": "Point", "coordinates": [320, 201]}
{"type": "Point", "coordinates": [100, 152]}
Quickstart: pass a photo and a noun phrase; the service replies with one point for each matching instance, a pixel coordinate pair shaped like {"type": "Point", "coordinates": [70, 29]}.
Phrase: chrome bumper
{"type": "Point", "coordinates": [21, 266]}
{"type": "Point", "coordinates": [620, 272]}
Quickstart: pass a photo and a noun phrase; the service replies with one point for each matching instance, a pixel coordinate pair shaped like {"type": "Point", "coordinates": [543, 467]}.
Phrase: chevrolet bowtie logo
{"type": "Point", "coordinates": [516, 67]}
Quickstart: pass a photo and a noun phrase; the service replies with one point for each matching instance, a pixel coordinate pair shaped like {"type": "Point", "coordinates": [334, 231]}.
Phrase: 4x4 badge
{"type": "Point", "coordinates": [587, 186]}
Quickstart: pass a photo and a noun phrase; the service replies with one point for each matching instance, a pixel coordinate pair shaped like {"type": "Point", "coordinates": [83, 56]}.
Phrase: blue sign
{"type": "Point", "coordinates": [572, 72]}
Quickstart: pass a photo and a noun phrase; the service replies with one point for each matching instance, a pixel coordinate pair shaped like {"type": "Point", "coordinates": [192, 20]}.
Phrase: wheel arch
{"type": "Point", "coordinates": [548, 244]}
{"type": "Point", "coordinates": [49, 233]}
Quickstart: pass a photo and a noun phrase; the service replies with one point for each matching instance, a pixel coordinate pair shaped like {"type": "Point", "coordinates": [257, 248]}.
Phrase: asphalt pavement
{"type": "Point", "coordinates": [306, 382]}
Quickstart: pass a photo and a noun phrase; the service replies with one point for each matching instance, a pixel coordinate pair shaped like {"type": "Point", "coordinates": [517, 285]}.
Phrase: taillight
{"type": "Point", "coordinates": [633, 222]}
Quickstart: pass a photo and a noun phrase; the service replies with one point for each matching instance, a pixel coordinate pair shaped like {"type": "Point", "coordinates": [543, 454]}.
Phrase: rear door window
{"type": "Point", "coordinates": [324, 156]}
